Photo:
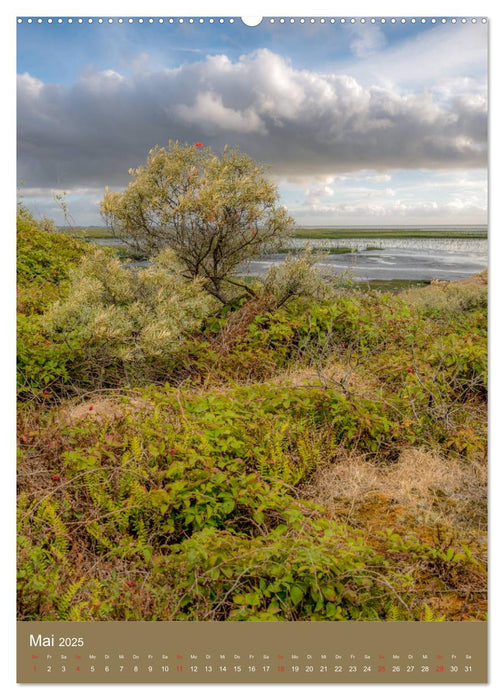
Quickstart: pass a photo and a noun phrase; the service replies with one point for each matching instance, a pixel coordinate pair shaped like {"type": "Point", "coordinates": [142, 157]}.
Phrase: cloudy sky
{"type": "Point", "coordinates": [361, 124]}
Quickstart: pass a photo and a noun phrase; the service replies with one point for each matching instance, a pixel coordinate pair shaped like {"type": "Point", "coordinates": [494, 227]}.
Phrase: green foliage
{"type": "Point", "coordinates": [44, 258]}
{"type": "Point", "coordinates": [446, 564]}
{"type": "Point", "coordinates": [299, 570]}
{"type": "Point", "coordinates": [225, 543]}
{"type": "Point", "coordinates": [428, 372]}
{"type": "Point", "coordinates": [290, 452]}
{"type": "Point", "coordinates": [44, 261]}
{"type": "Point", "coordinates": [40, 362]}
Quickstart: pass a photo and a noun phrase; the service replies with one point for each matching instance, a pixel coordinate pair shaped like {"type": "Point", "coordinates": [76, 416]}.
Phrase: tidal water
{"type": "Point", "coordinates": [396, 258]}
{"type": "Point", "coordinates": [381, 258]}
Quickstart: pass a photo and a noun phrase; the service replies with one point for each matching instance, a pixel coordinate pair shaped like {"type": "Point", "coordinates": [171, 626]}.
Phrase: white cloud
{"type": "Point", "coordinates": [397, 211]}
{"type": "Point", "coordinates": [368, 40]}
{"type": "Point", "coordinates": [31, 87]}
{"type": "Point", "coordinates": [381, 177]}
{"type": "Point", "coordinates": [455, 54]}
{"type": "Point", "coordinates": [210, 115]}
{"type": "Point", "coordinates": [98, 82]}
{"type": "Point", "coordinates": [322, 130]}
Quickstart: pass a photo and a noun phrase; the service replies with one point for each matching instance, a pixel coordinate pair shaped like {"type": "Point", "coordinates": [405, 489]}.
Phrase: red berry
{"type": "Point", "coordinates": [55, 477]}
{"type": "Point", "coordinates": [90, 408]}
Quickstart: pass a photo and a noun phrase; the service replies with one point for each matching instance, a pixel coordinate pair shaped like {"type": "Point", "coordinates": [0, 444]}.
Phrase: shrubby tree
{"type": "Point", "coordinates": [213, 212]}
{"type": "Point", "coordinates": [297, 276]}
{"type": "Point", "coordinates": [113, 315]}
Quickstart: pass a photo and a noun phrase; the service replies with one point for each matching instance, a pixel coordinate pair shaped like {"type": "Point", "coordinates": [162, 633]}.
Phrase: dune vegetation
{"type": "Point", "coordinates": [315, 451]}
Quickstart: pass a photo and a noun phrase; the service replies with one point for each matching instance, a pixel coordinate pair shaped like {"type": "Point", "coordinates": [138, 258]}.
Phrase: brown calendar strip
{"type": "Point", "coordinates": [252, 652]}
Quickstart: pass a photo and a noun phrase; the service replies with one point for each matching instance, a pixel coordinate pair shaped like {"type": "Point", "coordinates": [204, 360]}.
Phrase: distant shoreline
{"type": "Point", "coordinates": [472, 232]}
{"type": "Point", "coordinates": [388, 233]}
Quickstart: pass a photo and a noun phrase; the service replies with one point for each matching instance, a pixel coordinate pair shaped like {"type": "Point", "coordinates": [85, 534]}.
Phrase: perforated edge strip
{"type": "Point", "coordinates": [265, 20]}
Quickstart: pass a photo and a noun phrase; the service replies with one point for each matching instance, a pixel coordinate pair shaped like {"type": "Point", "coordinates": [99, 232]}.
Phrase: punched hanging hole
{"type": "Point", "coordinates": [251, 21]}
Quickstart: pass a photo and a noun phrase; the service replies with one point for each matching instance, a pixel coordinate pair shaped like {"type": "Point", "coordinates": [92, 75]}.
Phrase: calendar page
{"type": "Point", "coordinates": [252, 349]}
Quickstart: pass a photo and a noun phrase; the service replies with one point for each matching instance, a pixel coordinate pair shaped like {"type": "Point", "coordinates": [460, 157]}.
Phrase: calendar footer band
{"type": "Point", "coordinates": [251, 652]}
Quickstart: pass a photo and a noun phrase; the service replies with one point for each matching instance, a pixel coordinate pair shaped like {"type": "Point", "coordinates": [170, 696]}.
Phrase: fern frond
{"type": "Point", "coordinates": [57, 538]}
{"type": "Point", "coordinates": [393, 613]}
{"type": "Point", "coordinates": [64, 601]}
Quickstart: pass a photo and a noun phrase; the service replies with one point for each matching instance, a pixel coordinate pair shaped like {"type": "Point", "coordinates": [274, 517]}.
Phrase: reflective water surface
{"type": "Point", "coordinates": [382, 258]}
{"type": "Point", "coordinates": [397, 258]}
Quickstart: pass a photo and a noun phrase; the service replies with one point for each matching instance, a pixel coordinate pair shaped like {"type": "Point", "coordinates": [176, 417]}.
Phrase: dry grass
{"type": "Point", "coordinates": [99, 407]}
{"type": "Point", "coordinates": [334, 374]}
{"type": "Point", "coordinates": [421, 488]}
{"type": "Point", "coordinates": [440, 502]}
{"type": "Point", "coordinates": [238, 323]}
{"type": "Point", "coordinates": [102, 410]}
{"type": "Point", "coordinates": [448, 296]}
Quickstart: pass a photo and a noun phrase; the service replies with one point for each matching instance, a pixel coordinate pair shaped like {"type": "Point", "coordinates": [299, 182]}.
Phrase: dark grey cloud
{"type": "Point", "coordinates": [301, 122]}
